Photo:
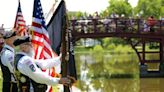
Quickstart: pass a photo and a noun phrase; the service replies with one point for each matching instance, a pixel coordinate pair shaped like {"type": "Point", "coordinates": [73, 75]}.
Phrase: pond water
{"type": "Point", "coordinates": [105, 72]}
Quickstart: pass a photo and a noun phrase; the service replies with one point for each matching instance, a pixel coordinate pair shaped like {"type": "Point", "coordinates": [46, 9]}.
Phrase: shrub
{"type": "Point", "coordinates": [98, 48]}
{"type": "Point", "coordinates": [111, 47]}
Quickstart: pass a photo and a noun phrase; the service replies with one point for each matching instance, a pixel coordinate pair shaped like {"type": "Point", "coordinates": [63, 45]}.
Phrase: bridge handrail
{"type": "Point", "coordinates": [109, 25]}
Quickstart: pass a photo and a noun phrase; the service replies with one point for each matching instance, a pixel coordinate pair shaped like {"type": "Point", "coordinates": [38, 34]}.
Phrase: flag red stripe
{"type": "Point", "coordinates": [41, 35]}
{"type": "Point", "coordinates": [47, 39]}
{"type": "Point", "coordinates": [36, 52]}
{"type": "Point", "coordinates": [22, 20]}
{"type": "Point", "coordinates": [37, 34]}
{"type": "Point", "coordinates": [21, 30]}
{"type": "Point", "coordinates": [19, 14]}
{"type": "Point", "coordinates": [48, 51]}
{"type": "Point", "coordinates": [41, 55]}
{"type": "Point", "coordinates": [37, 45]}
{"type": "Point", "coordinates": [37, 42]}
{"type": "Point", "coordinates": [36, 25]}
{"type": "Point", "coordinates": [21, 25]}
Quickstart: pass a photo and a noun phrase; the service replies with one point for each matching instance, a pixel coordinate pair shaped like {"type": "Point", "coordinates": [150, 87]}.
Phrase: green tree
{"type": "Point", "coordinates": [120, 7]}
{"type": "Point", "coordinates": [76, 15]}
{"type": "Point", "coordinates": [105, 42]}
{"type": "Point", "coordinates": [148, 8]}
{"type": "Point", "coordinates": [118, 41]}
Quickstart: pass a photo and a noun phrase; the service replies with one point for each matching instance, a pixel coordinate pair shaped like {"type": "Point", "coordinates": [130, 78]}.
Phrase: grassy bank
{"type": "Point", "coordinates": [112, 49]}
{"type": "Point", "coordinates": [120, 49]}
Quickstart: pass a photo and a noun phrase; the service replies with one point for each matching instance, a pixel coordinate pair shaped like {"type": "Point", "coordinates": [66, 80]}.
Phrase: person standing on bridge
{"type": "Point", "coordinates": [151, 23]}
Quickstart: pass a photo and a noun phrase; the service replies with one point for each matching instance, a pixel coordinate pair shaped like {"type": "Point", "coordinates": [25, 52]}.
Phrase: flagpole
{"type": "Point", "coordinates": [64, 45]}
{"type": "Point", "coordinates": [51, 10]}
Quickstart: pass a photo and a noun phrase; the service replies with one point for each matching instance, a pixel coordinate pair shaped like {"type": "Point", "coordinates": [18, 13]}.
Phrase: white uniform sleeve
{"type": "Point", "coordinates": [27, 67]}
{"type": "Point", "coordinates": [7, 59]}
{"type": "Point", "coordinates": [48, 63]}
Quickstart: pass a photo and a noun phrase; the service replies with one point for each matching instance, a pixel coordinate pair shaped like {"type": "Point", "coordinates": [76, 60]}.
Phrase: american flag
{"type": "Point", "coordinates": [40, 37]}
{"type": "Point", "coordinates": [20, 24]}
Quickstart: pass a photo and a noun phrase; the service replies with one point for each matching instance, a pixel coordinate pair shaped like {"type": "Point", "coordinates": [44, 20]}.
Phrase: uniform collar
{"type": "Point", "coordinates": [9, 47]}
{"type": "Point", "coordinates": [22, 53]}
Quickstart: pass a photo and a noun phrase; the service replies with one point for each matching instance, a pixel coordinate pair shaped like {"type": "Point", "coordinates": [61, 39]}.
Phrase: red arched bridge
{"type": "Point", "coordinates": [135, 31]}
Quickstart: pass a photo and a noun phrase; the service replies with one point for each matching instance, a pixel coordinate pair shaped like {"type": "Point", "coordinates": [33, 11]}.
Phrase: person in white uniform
{"type": "Point", "coordinates": [29, 71]}
{"type": "Point", "coordinates": [1, 37]}
{"type": "Point", "coordinates": [7, 63]}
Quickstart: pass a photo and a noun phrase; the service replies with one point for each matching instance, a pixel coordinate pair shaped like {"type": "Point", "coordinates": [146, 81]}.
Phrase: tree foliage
{"type": "Point", "coordinates": [148, 8]}
{"type": "Point", "coordinates": [76, 15]}
{"type": "Point", "coordinates": [145, 8]}
{"type": "Point", "coordinates": [120, 7]}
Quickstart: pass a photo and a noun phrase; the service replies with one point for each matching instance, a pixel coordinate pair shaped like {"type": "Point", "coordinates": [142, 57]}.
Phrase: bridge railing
{"type": "Point", "coordinates": [116, 25]}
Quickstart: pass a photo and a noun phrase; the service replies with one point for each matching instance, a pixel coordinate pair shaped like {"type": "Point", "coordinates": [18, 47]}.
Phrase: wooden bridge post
{"type": "Point", "coordinates": [95, 22]}
{"type": "Point", "coordinates": [138, 25]}
{"type": "Point", "coordinates": [162, 27]}
{"type": "Point", "coordinates": [143, 66]}
{"type": "Point", "coordinates": [73, 24]}
{"type": "Point", "coordinates": [161, 67]}
{"type": "Point", "coordinates": [143, 53]}
{"type": "Point", "coordinates": [115, 20]}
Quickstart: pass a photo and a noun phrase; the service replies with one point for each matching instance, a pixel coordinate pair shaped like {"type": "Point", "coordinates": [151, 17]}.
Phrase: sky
{"type": "Point", "coordinates": [8, 8]}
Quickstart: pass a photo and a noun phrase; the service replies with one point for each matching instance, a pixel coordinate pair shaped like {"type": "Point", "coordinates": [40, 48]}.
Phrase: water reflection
{"type": "Point", "coordinates": [151, 85]}
{"type": "Point", "coordinates": [97, 72]}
